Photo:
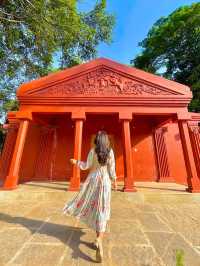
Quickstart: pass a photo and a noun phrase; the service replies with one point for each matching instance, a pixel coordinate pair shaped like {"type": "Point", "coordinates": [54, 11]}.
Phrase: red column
{"type": "Point", "coordinates": [8, 147]}
{"type": "Point", "coordinates": [75, 179]}
{"type": "Point", "coordinates": [128, 160]}
{"type": "Point", "coordinates": [11, 180]}
{"type": "Point", "coordinates": [192, 177]}
{"type": "Point", "coordinates": [194, 131]}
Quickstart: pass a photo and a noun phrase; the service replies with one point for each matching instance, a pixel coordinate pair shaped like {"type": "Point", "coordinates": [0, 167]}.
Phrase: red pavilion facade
{"type": "Point", "coordinates": [153, 135]}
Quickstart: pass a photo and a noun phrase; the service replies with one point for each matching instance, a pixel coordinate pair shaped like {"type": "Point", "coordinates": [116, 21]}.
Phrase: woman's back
{"type": "Point", "coordinates": [108, 168]}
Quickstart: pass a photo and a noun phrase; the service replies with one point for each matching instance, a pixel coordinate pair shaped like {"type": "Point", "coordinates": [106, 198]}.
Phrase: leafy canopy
{"type": "Point", "coordinates": [34, 34]}
{"type": "Point", "coordinates": [172, 47]}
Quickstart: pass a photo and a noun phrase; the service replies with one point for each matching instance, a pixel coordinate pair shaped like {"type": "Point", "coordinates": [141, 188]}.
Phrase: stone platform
{"type": "Point", "coordinates": [156, 226]}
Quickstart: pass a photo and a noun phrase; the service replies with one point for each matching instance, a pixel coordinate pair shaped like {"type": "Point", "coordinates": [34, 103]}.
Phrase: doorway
{"type": "Point", "coordinates": [110, 123]}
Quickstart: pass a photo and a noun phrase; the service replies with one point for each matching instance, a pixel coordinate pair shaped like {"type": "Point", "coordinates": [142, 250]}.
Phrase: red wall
{"type": "Point", "coordinates": [62, 169]}
{"type": "Point", "coordinates": [111, 124]}
{"type": "Point", "coordinates": [30, 153]}
{"type": "Point", "coordinates": [175, 154]}
{"type": "Point", "coordinates": [57, 166]}
{"type": "Point", "coordinates": [62, 146]}
{"type": "Point", "coordinates": [144, 161]}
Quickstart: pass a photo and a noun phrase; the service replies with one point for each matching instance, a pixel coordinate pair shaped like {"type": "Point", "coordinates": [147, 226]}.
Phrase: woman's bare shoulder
{"type": "Point", "coordinates": [92, 150]}
{"type": "Point", "coordinates": [111, 151]}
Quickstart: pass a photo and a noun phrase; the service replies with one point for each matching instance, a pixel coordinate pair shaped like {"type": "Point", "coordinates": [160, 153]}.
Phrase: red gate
{"type": "Point", "coordinates": [45, 161]}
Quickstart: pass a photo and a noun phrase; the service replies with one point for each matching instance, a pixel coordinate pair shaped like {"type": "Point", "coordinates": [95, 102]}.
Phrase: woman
{"type": "Point", "coordinates": [92, 203]}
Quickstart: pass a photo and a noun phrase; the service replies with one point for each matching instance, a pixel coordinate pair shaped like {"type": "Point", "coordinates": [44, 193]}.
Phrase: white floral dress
{"type": "Point", "coordinates": [92, 203]}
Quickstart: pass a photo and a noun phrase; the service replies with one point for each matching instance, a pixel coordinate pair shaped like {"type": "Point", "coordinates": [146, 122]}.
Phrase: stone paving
{"type": "Point", "coordinates": [148, 228]}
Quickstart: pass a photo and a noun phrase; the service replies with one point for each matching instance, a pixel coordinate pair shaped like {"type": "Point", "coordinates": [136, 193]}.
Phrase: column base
{"type": "Point", "coordinates": [8, 188]}
{"type": "Point", "coordinates": [193, 190]}
{"type": "Point", "coordinates": [10, 183]}
{"type": "Point", "coordinates": [133, 189]}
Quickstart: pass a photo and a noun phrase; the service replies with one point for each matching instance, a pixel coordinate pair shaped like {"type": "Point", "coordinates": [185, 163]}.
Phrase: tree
{"type": "Point", "coordinates": [172, 47]}
{"type": "Point", "coordinates": [33, 34]}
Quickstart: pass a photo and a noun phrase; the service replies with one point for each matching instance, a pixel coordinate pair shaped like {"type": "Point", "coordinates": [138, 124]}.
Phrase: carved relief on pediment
{"type": "Point", "coordinates": [99, 82]}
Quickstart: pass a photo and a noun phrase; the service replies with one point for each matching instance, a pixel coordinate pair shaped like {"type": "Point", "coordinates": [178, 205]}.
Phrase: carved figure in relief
{"type": "Point", "coordinates": [101, 82]}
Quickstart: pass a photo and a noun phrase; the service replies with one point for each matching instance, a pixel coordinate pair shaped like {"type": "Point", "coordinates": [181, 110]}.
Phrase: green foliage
{"type": "Point", "coordinates": [8, 102]}
{"type": "Point", "coordinates": [34, 33]}
{"type": "Point", "coordinates": [179, 258]}
{"type": "Point", "coordinates": [173, 47]}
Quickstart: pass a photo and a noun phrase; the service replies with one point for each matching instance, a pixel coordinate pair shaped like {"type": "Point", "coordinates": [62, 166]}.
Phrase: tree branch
{"type": "Point", "coordinates": [11, 20]}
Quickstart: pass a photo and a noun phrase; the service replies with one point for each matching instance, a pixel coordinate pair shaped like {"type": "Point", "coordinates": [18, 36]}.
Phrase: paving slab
{"type": "Point", "coordinates": [147, 228]}
{"type": "Point", "coordinates": [38, 254]}
{"type": "Point", "coordinates": [11, 241]}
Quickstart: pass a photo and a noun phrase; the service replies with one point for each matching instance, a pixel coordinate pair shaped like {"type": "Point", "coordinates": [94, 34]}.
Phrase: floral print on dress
{"type": "Point", "coordinates": [92, 203]}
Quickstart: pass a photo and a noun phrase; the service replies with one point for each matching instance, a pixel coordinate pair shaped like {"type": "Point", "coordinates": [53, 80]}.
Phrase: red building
{"type": "Point", "coordinates": [153, 135]}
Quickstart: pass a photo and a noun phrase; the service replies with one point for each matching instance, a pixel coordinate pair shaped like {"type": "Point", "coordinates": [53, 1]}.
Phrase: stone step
{"type": "Point", "coordinates": [147, 192]}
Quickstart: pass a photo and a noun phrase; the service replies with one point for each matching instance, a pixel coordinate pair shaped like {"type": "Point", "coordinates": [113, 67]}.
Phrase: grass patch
{"type": "Point", "coordinates": [179, 258]}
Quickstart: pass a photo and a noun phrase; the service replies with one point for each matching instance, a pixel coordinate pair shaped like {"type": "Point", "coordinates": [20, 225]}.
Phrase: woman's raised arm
{"type": "Point", "coordinates": [88, 163]}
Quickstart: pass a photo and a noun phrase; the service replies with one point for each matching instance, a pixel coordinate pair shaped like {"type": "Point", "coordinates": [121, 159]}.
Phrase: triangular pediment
{"type": "Point", "coordinates": [102, 77]}
{"type": "Point", "coordinates": [100, 82]}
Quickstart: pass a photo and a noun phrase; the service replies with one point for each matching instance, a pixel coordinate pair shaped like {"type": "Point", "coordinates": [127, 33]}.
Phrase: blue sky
{"type": "Point", "coordinates": [134, 18]}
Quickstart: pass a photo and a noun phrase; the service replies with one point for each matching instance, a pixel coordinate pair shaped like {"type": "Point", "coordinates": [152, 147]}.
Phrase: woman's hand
{"type": "Point", "coordinates": [73, 161]}
{"type": "Point", "coordinates": [115, 185]}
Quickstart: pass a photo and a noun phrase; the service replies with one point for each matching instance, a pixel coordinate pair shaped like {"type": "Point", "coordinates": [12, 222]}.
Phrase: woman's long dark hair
{"type": "Point", "coordinates": [102, 148]}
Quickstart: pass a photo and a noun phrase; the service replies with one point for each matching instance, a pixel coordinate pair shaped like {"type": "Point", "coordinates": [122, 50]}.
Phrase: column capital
{"type": "Point", "coordinates": [125, 116]}
{"type": "Point", "coordinates": [24, 115]}
{"type": "Point", "coordinates": [78, 115]}
{"type": "Point", "coordinates": [183, 116]}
